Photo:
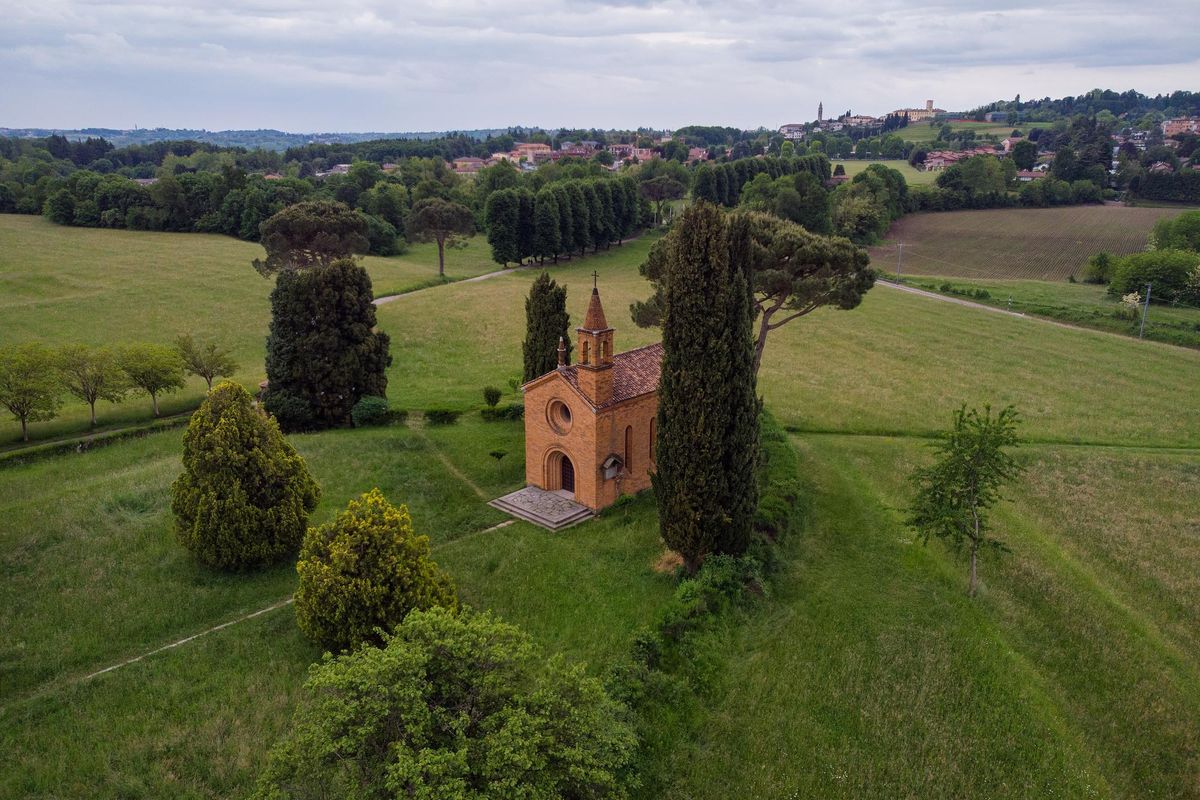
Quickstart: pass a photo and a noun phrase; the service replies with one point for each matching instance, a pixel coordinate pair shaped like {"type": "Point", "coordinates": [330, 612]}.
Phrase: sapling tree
{"type": "Point", "coordinates": [152, 368]}
{"type": "Point", "coordinates": [29, 386]}
{"type": "Point", "coordinates": [955, 493]}
{"type": "Point", "coordinates": [91, 374]}
{"type": "Point", "coordinates": [207, 360]}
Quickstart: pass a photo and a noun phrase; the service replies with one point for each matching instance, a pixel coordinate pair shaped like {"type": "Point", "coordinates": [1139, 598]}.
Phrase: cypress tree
{"type": "Point", "coordinates": [633, 204]}
{"type": "Point", "coordinates": [323, 353]}
{"type": "Point", "coordinates": [502, 219]}
{"type": "Point", "coordinates": [721, 176]}
{"type": "Point", "coordinates": [596, 226]}
{"type": "Point", "coordinates": [581, 221]}
{"type": "Point", "coordinates": [546, 239]}
{"type": "Point", "coordinates": [566, 232]}
{"type": "Point", "coordinates": [525, 227]}
{"type": "Point", "coordinates": [705, 185]}
{"type": "Point", "coordinates": [608, 218]}
{"type": "Point", "coordinates": [546, 321]}
{"type": "Point", "coordinates": [706, 451]}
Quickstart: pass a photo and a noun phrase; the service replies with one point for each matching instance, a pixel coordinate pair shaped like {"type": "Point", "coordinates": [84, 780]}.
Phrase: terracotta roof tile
{"type": "Point", "coordinates": [595, 321]}
{"type": "Point", "coordinates": [635, 373]}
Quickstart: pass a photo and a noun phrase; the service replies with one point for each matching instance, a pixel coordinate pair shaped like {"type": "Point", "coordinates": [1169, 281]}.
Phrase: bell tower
{"type": "Point", "coordinates": [595, 351]}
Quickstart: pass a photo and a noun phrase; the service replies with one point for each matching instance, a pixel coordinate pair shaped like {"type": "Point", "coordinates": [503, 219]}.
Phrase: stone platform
{"type": "Point", "coordinates": [550, 510]}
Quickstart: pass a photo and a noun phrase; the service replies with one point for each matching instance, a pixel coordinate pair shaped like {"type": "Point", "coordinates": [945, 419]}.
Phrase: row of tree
{"type": "Point", "coordinates": [35, 378]}
{"type": "Point", "coordinates": [562, 218]}
{"type": "Point", "coordinates": [722, 184]}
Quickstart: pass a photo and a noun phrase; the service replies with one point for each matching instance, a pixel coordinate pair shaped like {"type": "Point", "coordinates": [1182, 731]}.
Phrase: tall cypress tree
{"type": "Point", "coordinates": [546, 321]}
{"type": "Point", "coordinates": [546, 238]}
{"type": "Point", "coordinates": [566, 231]}
{"type": "Point", "coordinates": [581, 221]}
{"type": "Point", "coordinates": [706, 451]}
{"type": "Point", "coordinates": [502, 220]}
{"type": "Point", "coordinates": [704, 185]}
{"type": "Point", "coordinates": [525, 229]}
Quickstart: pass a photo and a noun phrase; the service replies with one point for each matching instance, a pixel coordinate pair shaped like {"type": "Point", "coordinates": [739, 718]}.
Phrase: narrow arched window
{"type": "Point", "coordinates": [586, 348]}
{"type": "Point", "coordinates": [629, 448]}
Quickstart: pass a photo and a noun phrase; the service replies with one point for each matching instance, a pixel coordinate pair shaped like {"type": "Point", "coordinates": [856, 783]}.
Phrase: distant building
{"type": "Point", "coordinates": [920, 114]}
{"type": "Point", "coordinates": [1180, 125]}
{"type": "Point", "coordinates": [860, 121]}
{"type": "Point", "coordinates": [1008, 143]}
{"type": "Point", "coordinates": [793, 131]}
{"type": "Point", "coordinates": [697, 154]}
{"type": "Point", "coordinates": [530, 149]}
{"type": "Point", "coordinates": [1027, 175]}
{"type": "Point", "coordinates": [1160, 168]}
{"type": "Point", "coordinates": [996, 116]}
{"type": "Point", "coordinates": [468, 165]}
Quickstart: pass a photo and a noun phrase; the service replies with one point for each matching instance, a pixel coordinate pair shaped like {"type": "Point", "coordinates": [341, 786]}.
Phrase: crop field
{"type": "Point", "coordinates": [864, 671]}
{"type": "Point", "coordinates": [912, 175]}
{"type": "Point", "coordinates": [1011, 243]}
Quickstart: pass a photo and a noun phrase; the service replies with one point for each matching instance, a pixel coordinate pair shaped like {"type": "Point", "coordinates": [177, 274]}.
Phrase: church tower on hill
{"type": "Point", "coordinates": [590, 426]}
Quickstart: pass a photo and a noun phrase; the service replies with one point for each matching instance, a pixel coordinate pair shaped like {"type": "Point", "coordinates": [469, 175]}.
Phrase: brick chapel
{"type": "Point", "coordinates": [590, 426]}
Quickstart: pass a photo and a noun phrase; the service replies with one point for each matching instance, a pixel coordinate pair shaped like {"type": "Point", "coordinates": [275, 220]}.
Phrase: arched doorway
{"type": "Point", "coordinates": [567, 475]}
{"type": "Point", "coordinates": [560, 472]}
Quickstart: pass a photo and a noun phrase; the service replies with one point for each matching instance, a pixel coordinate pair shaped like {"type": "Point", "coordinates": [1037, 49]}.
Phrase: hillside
{"type": "Point", "coordinates": [864, 670]}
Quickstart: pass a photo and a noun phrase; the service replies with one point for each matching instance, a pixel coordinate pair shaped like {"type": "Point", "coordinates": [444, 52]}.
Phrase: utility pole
{"type": "Point", "coordinates": [1145, 311]}
{"type": "Point", "coordinates": [899, 259]}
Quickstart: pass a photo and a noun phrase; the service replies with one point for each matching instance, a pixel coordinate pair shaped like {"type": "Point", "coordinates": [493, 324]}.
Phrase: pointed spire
{"type": "Point", "coordinates": [562, 352]}
{"type": "Point", "coordinates": [595, 321]}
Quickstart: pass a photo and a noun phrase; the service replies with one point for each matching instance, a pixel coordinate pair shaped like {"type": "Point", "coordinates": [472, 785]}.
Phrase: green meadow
{"type": "Point", "coordinates": [911, 174]}
{"type": "Point", "coordinates": [865, 671]}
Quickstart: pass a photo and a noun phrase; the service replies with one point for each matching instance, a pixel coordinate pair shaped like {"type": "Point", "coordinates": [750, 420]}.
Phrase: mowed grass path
{"type": "Point", "coordinates": [1014, 243]}
{"type": "Point", "coordinates": [60, 284]}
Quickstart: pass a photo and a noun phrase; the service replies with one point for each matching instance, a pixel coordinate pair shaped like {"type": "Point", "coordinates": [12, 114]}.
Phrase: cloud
{"type": "Point", "coordinates": [435, 64]}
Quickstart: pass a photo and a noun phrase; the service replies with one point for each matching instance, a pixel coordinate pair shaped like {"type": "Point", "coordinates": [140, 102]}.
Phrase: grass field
{"type": "Point", "coordinates": [61, 284]}
{"type": "Point", "coordinates": [1078, 303]}
{"type": "Point", "coordinates": [924, 132]}
{"type": "Point", "coordinates": [912, 175]}
{"type": "Point", "coordinates": [866, 672]}
{"type": "Point", "coordinates": [1034, 243]}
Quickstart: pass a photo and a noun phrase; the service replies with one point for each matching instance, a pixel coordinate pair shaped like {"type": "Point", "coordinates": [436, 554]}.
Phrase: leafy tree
{"type": "Point", "coordinates": [245, 494]}
{"type": "Point", "coordinates": [438, 220]}
{"type": "Point", "coordinates": [1066, 165]}
{"type": "Point", "coordinates": [1024, 154]}
{"type": "Point", "coordinates": [706, 452]}
{"type": "Point", "coordinates": [954, 493]}
{"type": "Point", "coordinates": [793, 273]}
{"type": "Point", "coordinates": [91, 374]}
{"type": "Point", "coordinates": [704, 185]}
{"type": "Point", "coordinates": [152, 368]}
{"type": "Point", "coordinates": [207, 360]}
{"type": "Point", "coordinates": [310, 234]}
{"type": "Point", "coordinates": [1167, 271]}
{"type": "Point", "coordinates": [452, 706]}
{"type": "Point", "coordinates": [547, 239]}
{"type": "Point", "coordinates": [546, 323]}
{"type": "Point", "coordinates": [60, 207]}
{"type": "Point", "coordinates": [364, 572]}
{"type": "Point", "coordinates": [322, 349]}
{"type": "Point", "coordinates": [1177, 233]}
{"type": "Point", "coordinates": [502, 218]}
{"type": "Point", "coordinates": [29, 385]}
{"type": "Point", "coordinates": [660, 191]}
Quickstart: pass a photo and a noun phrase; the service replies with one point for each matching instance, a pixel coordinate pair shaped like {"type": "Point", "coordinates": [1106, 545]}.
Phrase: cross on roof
{"type": "Point", "coordinates": [595, 277]}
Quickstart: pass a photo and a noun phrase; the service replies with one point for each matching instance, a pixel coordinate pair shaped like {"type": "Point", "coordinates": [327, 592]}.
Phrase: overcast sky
{"type": "Point", "coordinates": [361, 65]}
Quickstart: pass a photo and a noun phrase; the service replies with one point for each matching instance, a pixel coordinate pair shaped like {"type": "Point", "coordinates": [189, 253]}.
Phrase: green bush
{"type": "Point", "coordinates": [452, 706]}
{"type": "Point", "coordinates": [512, 411]}
{"type": "Point", "coordinates": [491, 396]}
{"type": "Point", "coordinates": [363, 572]}
{"type": "Point", "coordinates": [1169, 273]}
{"type": "Point", "coordinates": [1099, 268]}
{"type": "Point", "coordinates": [370, 410]}
{"type": "Point", "coordinates": [245, 493]}
{"type": "Point", "coordinates": [442, 416]}
{"type": "Point", "coordinates": [290, 410]}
